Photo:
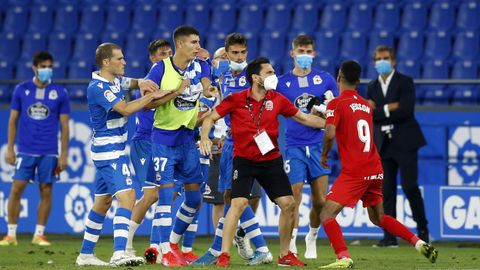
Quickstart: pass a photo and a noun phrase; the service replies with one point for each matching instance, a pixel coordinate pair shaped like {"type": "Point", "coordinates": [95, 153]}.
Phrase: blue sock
{"type": "Point", "coordinates": [120, 228]}
{"type": "Point", "coordinates": [189, 235]}
{"type": "Point", "coordinates": [185, 215]}
{"type": "Point", "coordinates": [93, 228]}
{"type": "Point", "coordinates": [165, 197]}
{"type": "Point", "coordinates": [217, 240]}
{"type": "Point", "coordinates": [249, 224]}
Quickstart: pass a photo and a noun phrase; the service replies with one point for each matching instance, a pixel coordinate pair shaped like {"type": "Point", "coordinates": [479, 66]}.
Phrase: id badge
{"type": "Point", "coordinates": [264, 143]}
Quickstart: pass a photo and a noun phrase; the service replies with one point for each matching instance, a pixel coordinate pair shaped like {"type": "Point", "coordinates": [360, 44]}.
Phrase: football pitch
{"type": "Point", "coordinates": [65, 248]}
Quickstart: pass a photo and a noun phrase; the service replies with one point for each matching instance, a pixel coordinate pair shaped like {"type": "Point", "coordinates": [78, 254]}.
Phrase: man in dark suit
{"type": "Point", "coordinates": [398, 137]}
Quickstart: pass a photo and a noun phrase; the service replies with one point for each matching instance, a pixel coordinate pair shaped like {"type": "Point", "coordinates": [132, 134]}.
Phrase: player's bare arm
{"type": "Point", "coordinates": [205, 142]}
{"type": "Point", "coordinates": [168, 95]}
{"type": "Point", "coordinates": [328, 138]}
{"type": "Point", "coordinates": [127, 109]}
{"type": "Point", "coordinates": [64, 139]}
{"type": "Point", "coordinates": [309, 120]}
{"type": "Point", "coordinates": [12, 133]}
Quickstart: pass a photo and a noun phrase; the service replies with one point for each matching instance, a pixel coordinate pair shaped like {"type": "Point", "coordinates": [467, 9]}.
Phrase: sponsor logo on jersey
{"type": "Point", "coordinates": [302, 101]}
{"type": "Point", "coordinates": [38, 111]}
{"type": "Point", "coordinates": [184, 105]}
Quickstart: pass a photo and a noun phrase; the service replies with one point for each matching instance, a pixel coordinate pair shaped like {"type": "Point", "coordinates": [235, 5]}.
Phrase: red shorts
{"type": "Point", "coordinates": [347, 191]}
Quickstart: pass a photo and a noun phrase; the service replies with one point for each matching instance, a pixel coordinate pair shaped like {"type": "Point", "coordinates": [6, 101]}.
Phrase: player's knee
{"type": "Point", "coordinates": [193, 198]}
{"type": "Point", "coordinates": [45, 191]}
{"type": "Point", "coordinates": [239, 204]}
{"type": "Point", "coordinates": [375, 219]}
{"type": "Point", "coordinates": [288, 206]}
{"type": "Point", "coordinates": [317, 206]}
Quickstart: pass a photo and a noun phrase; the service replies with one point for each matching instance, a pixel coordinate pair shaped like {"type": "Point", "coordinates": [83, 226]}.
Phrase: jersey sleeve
{"type": "Point", "coordinates": [205, 70]}
{"type": "Point", "coordinates": [333, 113]}
{"type": "Point", "coordinates": [64, 103]}
{"type": "Point", "coordinates": [16, 103]}
{"type": "Point", "coordinates": [156, 73]}
{"type": "Point", "coordinates": [226, 106]}
{"type": "Point", "coordinates": [105, 98]}
{"type": "Point", "coordinates": [287, 109]}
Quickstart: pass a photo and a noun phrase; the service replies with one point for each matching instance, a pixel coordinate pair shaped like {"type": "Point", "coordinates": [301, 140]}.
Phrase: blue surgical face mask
{"type": "Point", "coordinates": [383, 67]}
{"type": "Point", "coordinates": [238, 66]}
{"type": "Point", "coordinates": [45, 74]}
{"type": "Point", "coordinates": [304, 61]}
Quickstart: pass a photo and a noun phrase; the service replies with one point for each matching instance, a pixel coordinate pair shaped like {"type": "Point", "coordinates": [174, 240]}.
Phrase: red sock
{"type": "Point", "coordinates": [396, 228]}
{"type": "Point", "coordinates": [335, 236]}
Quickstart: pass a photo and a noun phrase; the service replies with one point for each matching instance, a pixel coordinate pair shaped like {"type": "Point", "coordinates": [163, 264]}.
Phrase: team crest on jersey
{"type": "Point", "coordinates": [129, 181]}
{"type": "Point", "coordinates": [158, 177]}
{"type": "Point", "coordinates": [242, 81]}
{"type": "Point", "coordinates": [269, 105]}
{"type": "Point", "coordinates": [109, 95]}
{"type": "Point", "coordinates": [53, 94]}
{"type": "Point", "coordinates": [302, 101]}
{"type": "Point", "coordinates": [38, 111]}
{"type": "Point", "coordinates": [317, 79]}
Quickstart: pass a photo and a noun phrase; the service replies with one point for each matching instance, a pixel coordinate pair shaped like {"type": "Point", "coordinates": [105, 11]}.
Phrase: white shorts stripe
{"type": "Point", "coordinates": [91, 237]}
{"type": "Point", "coordinates": [120, 233]}
{"type": "Point", "coordinates": [93, 225]}
{"type": "Point", "coordinates": [253, 233]}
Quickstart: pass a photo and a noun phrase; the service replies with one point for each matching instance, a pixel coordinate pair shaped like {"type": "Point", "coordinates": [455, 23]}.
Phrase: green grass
{"type": "Point", "coordinates": [62, 254]}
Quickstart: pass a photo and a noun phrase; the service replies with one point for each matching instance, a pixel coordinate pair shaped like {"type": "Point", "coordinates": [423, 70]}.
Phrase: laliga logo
{"type": "Point", "coordinates": [80, 165]}
{"type": "Point", "coordinates": [77, 204]}
{"type": "Point", "coordinates": [464, 150]}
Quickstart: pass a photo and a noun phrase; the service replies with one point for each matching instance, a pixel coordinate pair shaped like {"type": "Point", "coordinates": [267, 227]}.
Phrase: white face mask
{"type": "Point", "coordinates": [238, 66]}
{"type": "Point", "coordinates": [270, 82]}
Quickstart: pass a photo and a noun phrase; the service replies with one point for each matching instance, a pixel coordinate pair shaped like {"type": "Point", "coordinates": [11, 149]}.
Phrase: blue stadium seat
{"type": "Point", "coordinates": [23, 69]}
{"type": "Point", "coordinates": [252, 43]}
{"type": "Point", "coordinates": [436, 95]}
{"type": "Point", "coordinates": [442, 16]}
{"type": "Point", "coordinates": [272, 45]}
{"type": "Point", "coordinates": [465, 69]}
{"type": "Point", "coordinates": [465, 94]}
{"type": "Point", "coordinates": [41, 19]}
{"type": "Point", "coordinates": [414, 16]}
{"type": "Point", "coordinates": [198, 14]}
{"type": "Point", "coordinates": [369, 71]}
{"type": "Point", "coordinates": [32, 43]}
{"type": "Point", "coordinates": [278, 17]}
{"type": "Point", "coordinates": [466, 45]}
{"type": "Point", "coordinates": [171, 15]}
{"type": "Point", "coordinates": [69, 2]}
{"type": "Point", "coordinates": [77, 92]}
{"type": "Point", "coordinates": [333, 17]}
{"type": "Point", "coordinates": [60, 46]}
{"type": "Point", "coordinates": [215, 40]}
{"type": "Point", "coordinates": [66, 19]}
{"type": "Point", "coordinates": [379, 37]}
{"type": "Point", "coordinates": [224, 18]}
{"type": "Point", "coordinates": [467, 17]}
{"type": "Point", "coordinates": [118, 18]}
{"type": "Point", "coordinates": [9, 46]}
{"type": "Point", "coordinates": [250, 18]}
{"type": "Point", "coordinates": [135, 68]}
{"type": "Point", "coordinates": [410, 67]}
{"type": "Point", "coordinates": [324, 64]}
{"type": "Point", "coordinates": [22, 3]}
{"type": "Point", "coordinates": [410, 45]}
{"type": "Point", "coordinates": [93, 19]}
{"type": "Point", "coordinates": [162, 33]}
{"type": "Point", "coordinates": [354, 46]}
{"type": "Point", "coordinates": [5, 93]}
{"type": "Point", "coordinates": [435, 69]}
{"type": "Point", "coordinates": [145, 18]}
{"type": "Point", "coordinates": [6, 70]}
{"type": "Point", "coordinates": [387, 16]}
{"type": "Point", "coordinates": [113, 37]}
{"type": "Point", "coordinates": [419, 93]}
{"type": "Point", "coordinates": [59, 69]}
{"type": "Point", "coordinates": [438, 45]}
{"type": "Point", "coordinates": [49, 3]}
{"type": "Point", "coordinates": [305, 17]}
{"type": "Point", "coordinates": [360, 17]}
{"type": "Point", "coordinates": [79, 69]}
{"type": "Point", "coordinates": [85, 45]}
{"type": "Point", "coordinates": [121, 2]}
{"type": "Point", "coordinates": [16, 20]}
{"type": "Point", "coordinates": [327, 43]}
{"type": "Point", "coordinates": [137, 44]}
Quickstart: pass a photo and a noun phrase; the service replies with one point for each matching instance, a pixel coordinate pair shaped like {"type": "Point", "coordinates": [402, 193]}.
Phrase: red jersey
{"type": "Point", "coordinates": [352, 116]}
{"type": "Point", "coordinates": [244, 128]}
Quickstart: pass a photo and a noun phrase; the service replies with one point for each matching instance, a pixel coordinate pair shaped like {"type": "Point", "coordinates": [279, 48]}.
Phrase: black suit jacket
{"type": "Point", "coordinates": [406, 134]}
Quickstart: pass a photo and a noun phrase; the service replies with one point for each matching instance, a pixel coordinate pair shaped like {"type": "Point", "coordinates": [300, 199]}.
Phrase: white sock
{"type": "Point", "coordinates": [131, 232]}
{"type": "Point", "coordinates": [263, 249]}
{"type": "Point", "coordinates": [156, 246]}
{"type": "Point", "coordinates": [12, 230]}
{"type": "Point", "coordinates": [214, 252]}
{"type": "Point", "coordinates": [293, 240]}
{"type": "Point", "coordinates": [39, 229]}
{"type": "Point", "coordinates": [294, 234]}
{"type": "Point", "coordinates": [186, 249]}
{"type": "Point", "coordinates": [313, 233]}
{"type": "Point", "coordinates": [165, 247]}
{"type": "Point", "coordinates": [419, 244]}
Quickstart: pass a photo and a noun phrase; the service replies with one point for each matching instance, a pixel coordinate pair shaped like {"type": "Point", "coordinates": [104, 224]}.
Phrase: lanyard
{"type": "Point", "coordinates": [249, 106]}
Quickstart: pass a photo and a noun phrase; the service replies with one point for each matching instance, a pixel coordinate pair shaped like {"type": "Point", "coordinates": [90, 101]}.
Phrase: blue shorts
{"type": "Point", "coordinates": [204, 167]}
{"type": "Point", "coordinates": [302, 163]}
{"type": "Point", "coordinates": [175, 162]}
{"type": "Point", "coordinates": [141, 156]}
{"type": "Point", "coordinates": [226, 168]}
{"type": "Point", "coordinates": [113, 178]}
{"type": "Point", "coordinates": [26, 165]}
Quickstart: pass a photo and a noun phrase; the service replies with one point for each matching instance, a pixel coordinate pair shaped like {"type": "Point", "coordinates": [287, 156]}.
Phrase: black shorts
{"type": "Point", "coordinates": [269, 174]}
{"type": "Point", "coordinates": [211, 194]}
